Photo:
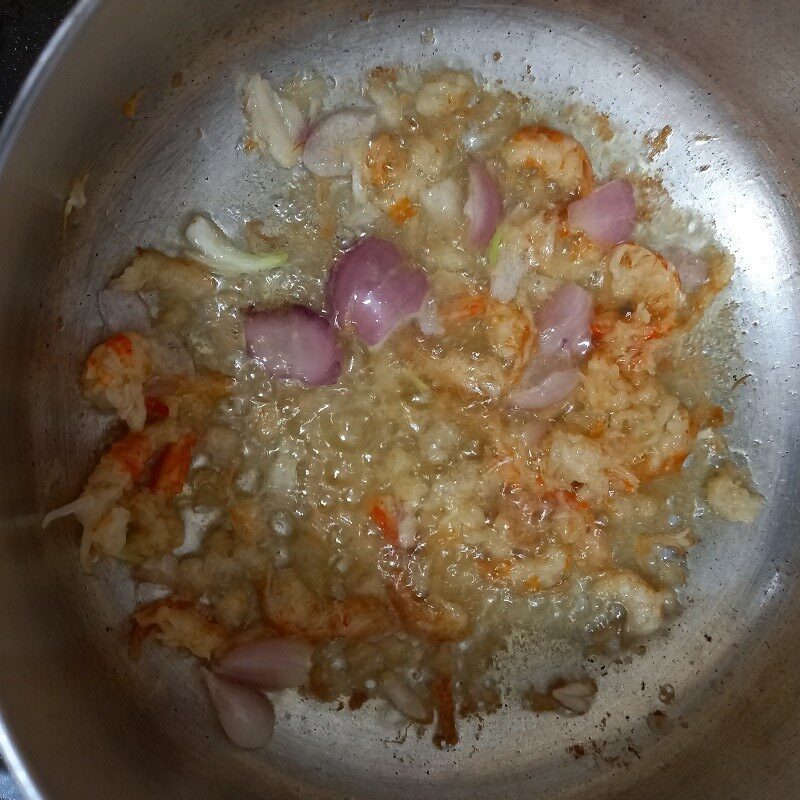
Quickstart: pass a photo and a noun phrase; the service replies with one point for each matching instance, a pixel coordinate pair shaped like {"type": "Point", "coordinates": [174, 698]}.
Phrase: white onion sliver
{"type": "Point", "coordinates": [507, 273]}
{"type": "Point", "coordinates": [564, 322]}
{"type": "Point", "coordinates": [428, 318]}
{"type": "Point", "coordinates": [484, 206]}
{"type": "Point", "coordinates": [269, 664]}
{"type": "Point", "coordinates": [607, 215]}
{"type": "Point", "coordinates": [246, 715]}
{"type": "Point", "coordinates": [373, 290]}
{"type": "Point", "coordinates": [294, 343]}
{"type": "Point", "coordinates": [334, 142]}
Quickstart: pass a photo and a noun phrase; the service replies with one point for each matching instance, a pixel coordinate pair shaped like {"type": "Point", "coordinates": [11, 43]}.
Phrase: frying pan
{"type": "Point", "coordinates": [79, 719]}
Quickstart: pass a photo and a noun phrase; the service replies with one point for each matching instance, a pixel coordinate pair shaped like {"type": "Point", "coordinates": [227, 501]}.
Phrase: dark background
{"type": "Point", "coordinates": [25, 27]}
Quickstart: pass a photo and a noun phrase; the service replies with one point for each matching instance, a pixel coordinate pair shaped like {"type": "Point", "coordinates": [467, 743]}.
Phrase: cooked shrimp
{"type": "Point", "coordinates": [528, 574]}
{"type": "Point", "coordinates": [294, 610]}
{"type": "Point", "coordinates": [448, 92]}
{"type": "Point", "coordinates": [429, 618]}
{"type": "Point", "coordinates": [663, 555]}
{"type": "Point", "coordinates": [114, 375]}
{"type": "Point", "coordinates": [156, 527]}
{"type": "Point", "coordinates": [558, 157]}
{"type": "Point", "coordinates": [178, 623]}
{"type": "Point", "coordinates": [104, 527]}
{"type": "Point", "coordinates": [639, 276]}
{"type": "Point", "coordinates": [643, 605]}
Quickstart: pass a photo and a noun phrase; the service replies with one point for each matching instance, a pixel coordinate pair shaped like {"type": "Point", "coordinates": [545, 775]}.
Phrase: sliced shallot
{"type": "Point", "coordinates": [545, 382]}
{"type": "Point", "coordinates": [691, 268]}
{"type": "Point", "coordinates": [404, 699]}
{"type": "Point", "coordinates": [484, 206]}
{"type": "Point", "coordinates": [331, 145]}
{"type": "Point", "coordinates": [246, 715]}
{"type": "Point", "coordinates": [373, 290]}
{"type": "Point", "coordinates": [294, 343]}
{"type": "Point", "coordinates": [564, 322]}
{"type": "Point", "coordinates": [269, 664]}
{"type": "Point", "coordinates": [607, 215]}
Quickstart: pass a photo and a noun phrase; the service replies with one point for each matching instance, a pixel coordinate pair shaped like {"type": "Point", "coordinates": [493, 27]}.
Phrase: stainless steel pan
{"type": "Point", "coordinates": [79, 720]}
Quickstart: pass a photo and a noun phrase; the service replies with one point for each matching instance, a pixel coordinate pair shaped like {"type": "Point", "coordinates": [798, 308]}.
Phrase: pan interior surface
{"type": "Point", "coordinates": [81, 719]}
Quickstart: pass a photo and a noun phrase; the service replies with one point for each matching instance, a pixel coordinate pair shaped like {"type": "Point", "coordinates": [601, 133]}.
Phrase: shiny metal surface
{"type": "Point", "coordinates": [82, 721]}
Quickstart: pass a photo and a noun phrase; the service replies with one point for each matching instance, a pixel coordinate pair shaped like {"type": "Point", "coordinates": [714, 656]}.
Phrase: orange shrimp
{"type": "Point", "coordinates": [169, 473]}
{"type": "Point", "coordinates": [385, 518]}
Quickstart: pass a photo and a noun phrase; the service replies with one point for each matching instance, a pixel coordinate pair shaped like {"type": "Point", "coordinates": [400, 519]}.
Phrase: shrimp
{"type": "Point", "coordinates": [529, 574]}
{"type": "Point", "coordinates": [99, 508]}
{"type": "Point", "coordinates": [643, 605]}
{"type": "Point", "coordinates": [428, 618]}
{"type": "Point", "coordinates": [663, 555]}
{"type": "Point", "coordinates": [447, 93]}
{"type": "Point", "coordinates": [294, 610]}
{"type": "Point", "coordinates": [641, 429]}
{"type": "Point", "coordinates": [155, 526]}
{"type": "Point", "coordinates": [179, 623]}
{"type": "Point", "coordinates": [114, 376]}
{"type": "Point", "coordinates": [639, 276]}
{"type": "Point", "coordinates": [507, 331]}
{"type": "Point", "coordinates": [558, 157]}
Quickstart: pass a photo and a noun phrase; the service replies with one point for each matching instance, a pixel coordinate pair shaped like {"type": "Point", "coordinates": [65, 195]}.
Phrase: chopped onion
{"type": "Point", "coordinates": [607, 215]}
{"type": "Point", "coordinates": [406, 526]}
{"type": "Point", "coordinates": [403, 699]}
{"type": "Point", "coordinates": [333, 143]}
{"type": "Point", "coordinates": [484, 206]}
{"type": "Point", "coordinates": [124, 311]}
{"type": "Point", "coordinates": [545, 382]}
{"type": "Point", "coordinates": [216, 250]}
{"type": "Point", "coordinates": [294, 343]}
{"type": "Point", "coordinates": [276, 124]}
{"type": "Point", "coordinates": [428, 319]}
{"type": "Point", "coordinates": [374, 291]}
{"type": "Point", "coordinates": [442, 201]}
{"type": "Point", "coordinates": [564, 322]}
{"type": "Point", "coordinates": [158, 570]}
{"type": "Point", "coordinates": [692, 270]}
{"type": "Point", "coordinates": [269, 664]}
{"type": "Point", "coordinates": [576, 696]}
{"type": "Point", "coordinates": [246, 715]}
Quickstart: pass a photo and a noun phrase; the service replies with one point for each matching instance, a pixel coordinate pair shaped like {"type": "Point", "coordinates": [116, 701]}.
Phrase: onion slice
{"type": "Point", "coordinates": [373, 290]}
{"type": "Point", "coordinates": [246, 715]}
{"type": "Point", "coordinates": [269, 664]}
{"type": "Point", "coordinates": [545, 382]}
{"type": "Point", "coordinates": [294, 343]}
{"type": "Point", "coordinates": [607, 215]}
{"type": "Point", "coordinates": [330, 147]}
{"type": "Point", "coordinates": [484, 206]}
{"type": "Point", "coordinates": [691, 268]}
{"type": "Point", "coordinates": [564, 322]}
